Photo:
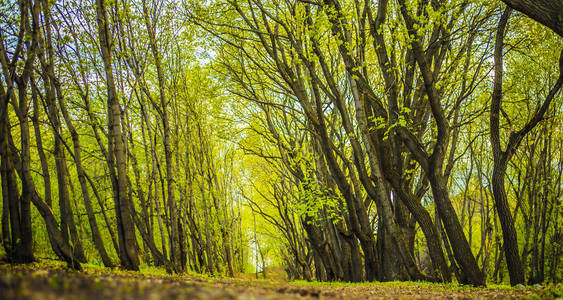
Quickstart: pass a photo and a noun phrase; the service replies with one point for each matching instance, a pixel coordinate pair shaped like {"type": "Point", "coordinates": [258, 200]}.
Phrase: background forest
{"type": "Point", "coordinates": [337, 140]}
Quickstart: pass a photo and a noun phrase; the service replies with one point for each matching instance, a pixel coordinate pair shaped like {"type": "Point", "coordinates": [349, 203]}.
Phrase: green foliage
{"type": "Point", "coordinates": [249, 89]}
{"type": "Point", "coordinates": [316, 200]}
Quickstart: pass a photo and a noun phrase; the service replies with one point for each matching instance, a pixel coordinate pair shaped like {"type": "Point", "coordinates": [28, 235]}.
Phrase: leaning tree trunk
{"type": "Point", "coordinates": [46, 57]}
{"type": "Point", "coordinates": [96, 235]}
{"type": "Point", "coordinates": [58, 243]}
{"type": "Point", "coordinates": [546, 12]}
{"type": "Point", "coordinates": [63, 181]}
{"type": "Point", "coordinates": [461, 248]}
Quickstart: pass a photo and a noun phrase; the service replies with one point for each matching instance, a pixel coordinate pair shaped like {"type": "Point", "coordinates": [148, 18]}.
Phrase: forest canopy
{"type": "Point", "coordinates": [336, 140]}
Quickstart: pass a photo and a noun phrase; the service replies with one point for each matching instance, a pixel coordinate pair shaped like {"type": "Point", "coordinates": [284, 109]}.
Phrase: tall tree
{"type": "Point", "coordinates": [117, 164]}
{"type": "Point", "coordinates": [502, 156]}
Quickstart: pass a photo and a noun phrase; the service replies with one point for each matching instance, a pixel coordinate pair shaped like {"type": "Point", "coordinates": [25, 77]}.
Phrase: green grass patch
{"type": "Point", "coordinates": [453, 286]}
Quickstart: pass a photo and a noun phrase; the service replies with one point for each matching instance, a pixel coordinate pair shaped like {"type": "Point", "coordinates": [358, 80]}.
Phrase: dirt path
{"type": "Point", "coordinates": [56, 282]}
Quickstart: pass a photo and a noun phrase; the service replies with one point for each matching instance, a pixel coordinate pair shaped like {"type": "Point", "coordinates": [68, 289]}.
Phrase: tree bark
{"type": "Point", "coordinates": [502, 157]}
{"type": "Point", "coordinates": [546, 12]}
{"type": "Point", "coordinates": [123, 205]}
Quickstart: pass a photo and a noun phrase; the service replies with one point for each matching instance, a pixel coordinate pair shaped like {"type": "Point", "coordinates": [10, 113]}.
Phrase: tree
{"type": "Point", "coordinates": [502, 157]}
{"type": "Point", "coordinates": [123, 206]}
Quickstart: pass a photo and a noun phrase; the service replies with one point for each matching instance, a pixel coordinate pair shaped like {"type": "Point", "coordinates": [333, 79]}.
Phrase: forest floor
{"type": "Point", "coordinates": [51, 280]}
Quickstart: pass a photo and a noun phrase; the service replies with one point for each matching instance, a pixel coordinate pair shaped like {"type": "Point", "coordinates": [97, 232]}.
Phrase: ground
{"type": "Point", "coordinates": [51, 280]}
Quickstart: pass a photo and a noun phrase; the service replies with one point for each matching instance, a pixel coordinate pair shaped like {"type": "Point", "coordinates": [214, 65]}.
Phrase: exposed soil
{"type": "Point", "coordinates": [41, 281]}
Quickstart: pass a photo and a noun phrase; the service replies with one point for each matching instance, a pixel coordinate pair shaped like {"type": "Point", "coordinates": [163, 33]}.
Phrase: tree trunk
{"type": "Point", "coordinates": [546, 12]}
{"type": "Point", "coordinates": [123, 206]}
{"type": "Point", "coordinates": [11, 200]}
{"type": "Point", "coordinates": [58, 242]}
{"type": "Point", "coordinates": [461, 249]}
{"type": "Point", "coordinates": [24, 250]}
{"type": "Point", "coordinates": [96, 235]}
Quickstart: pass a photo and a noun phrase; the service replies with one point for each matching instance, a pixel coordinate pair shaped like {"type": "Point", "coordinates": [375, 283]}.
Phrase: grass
{"type": "Point", "coordinates": [452, 286]}
{"type": "Point", "coordinates": [549, 291]}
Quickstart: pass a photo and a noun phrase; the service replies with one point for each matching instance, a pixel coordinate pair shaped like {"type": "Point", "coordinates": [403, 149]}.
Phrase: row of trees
{"type": "Point", "coordinates": [108, 96]}
{"type": "Point", "coordinates": [385, 140]}
{"type": "Point", "coordinates": [370, 114]}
